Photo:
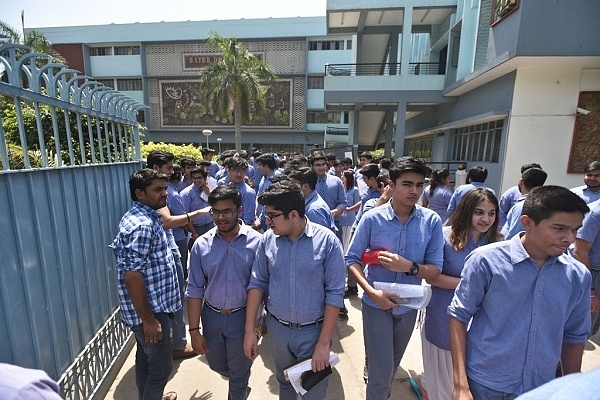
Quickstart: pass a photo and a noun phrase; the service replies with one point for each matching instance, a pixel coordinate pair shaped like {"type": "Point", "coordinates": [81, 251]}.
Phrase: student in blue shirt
{"type": "Point", "coordinates": [220, 266]}
{"type": "Point", "coordinates": [475, 178]}
{"type": "Point", "coordinates": [330, 188]}
{"type": "Point", "coordinates": [531, 178]}
{"type": "Point", "coordinates": [412, 248]}
{"type": "Point", "coordinates": [300, 266]}
{"type": "Point", "coordinates": [316, 210]}
{"type": "Point", "coordinates": [473, 224]}
{"type": "Point", "coordinates": [437, 195]}
{"type": "Point", "coordinates": [527, 302]}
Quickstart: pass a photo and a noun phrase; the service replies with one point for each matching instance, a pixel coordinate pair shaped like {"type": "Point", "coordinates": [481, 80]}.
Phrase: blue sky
{"type": "Point", "coordinates": [43, 13]}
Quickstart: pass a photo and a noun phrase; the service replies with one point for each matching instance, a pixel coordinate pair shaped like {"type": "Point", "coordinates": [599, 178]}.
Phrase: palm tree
{"type": "Point", "coordinates": [238, 83]}
{"type": "Point", "coordinates": [37, 41]}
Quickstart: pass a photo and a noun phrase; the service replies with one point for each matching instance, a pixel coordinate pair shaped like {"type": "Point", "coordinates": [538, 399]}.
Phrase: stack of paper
{"type": "Point", "coordinates": [294, 373]}
{"type": "Point", "coordinates": [412, 296]}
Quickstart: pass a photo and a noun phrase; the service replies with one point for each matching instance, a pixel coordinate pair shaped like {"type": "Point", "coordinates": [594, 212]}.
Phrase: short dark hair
{"type": "Point", "coordinates": [477, 174]}
{"type": "Point", "coordinates": [534, 177]}
{"type": "Point", "coordinates": [383, 178]}
{"type": "Point", "coordinates": [543, 201]}
{"type": "Point", "coordinates": [187, 162]}
{"type": "Point", "coordinates": [367, 155]}
{"type": "Point", "coordinates": [593, 166]}
{"type": "Point", "coordinates": [226, 192]}
{"type": "Point", "coordinates": [142, 179]}
{"type": "Point", "coordinates": [284, 196]}
{"type": "Point", "coordinates": [385, 163]}
{"type": "Point", "coordinates": [525, 167]}
{"type": "Point", "coordinates": [330, 156]}
{"type": "Point", "coordinates": [159, 157]}
{"type": "Point", "coordinates": [237, 163]}
{"type": "Point", "coordinates": [304, 175]}
{"type": "Point", "coordinates": [199, 170]}
{"type": "Point", "coordinates": [317, 155]}
{"type": "Point", "coordinates": [267, 159]}
{"type": "Point", "coordinates": [206, 150]}
{"type": "Point", "coordinates": [177, 173]}
{"type": "Point", "coordinates": [370, 170]}
{"type": "Point", "coordinates": [408, 164]}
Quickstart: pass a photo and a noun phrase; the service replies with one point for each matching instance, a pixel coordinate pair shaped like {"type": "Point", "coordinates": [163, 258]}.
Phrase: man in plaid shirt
{"type": "Point", "coordinates": [148, 286]}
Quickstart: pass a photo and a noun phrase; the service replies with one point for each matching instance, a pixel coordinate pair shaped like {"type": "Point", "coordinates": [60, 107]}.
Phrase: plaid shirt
{"type": "Point", "coordinates": [141, 245]}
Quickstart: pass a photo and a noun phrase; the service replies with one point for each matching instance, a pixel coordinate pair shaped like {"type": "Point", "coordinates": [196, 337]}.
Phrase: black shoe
{"type": "Point", "coordinates": [248, 390]}
{"type": "Point", "coordinates": [351, 291]}
{"type": "Point", "coordinates": [343, 311]}
{"type": "Point", "coordinates": [366, 373]}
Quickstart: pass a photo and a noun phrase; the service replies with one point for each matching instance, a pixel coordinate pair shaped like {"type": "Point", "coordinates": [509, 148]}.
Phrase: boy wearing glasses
{"type": "Point", "coordinates": [300, 265]}
{"type": "Point", "coordinates": [220, 266]}
{"type": "Point", "coordinates": [330, 188]}
{"type": "Point", "coordinates": [195, 197]}
{"type": "Point", "coordinates": [236, 171]}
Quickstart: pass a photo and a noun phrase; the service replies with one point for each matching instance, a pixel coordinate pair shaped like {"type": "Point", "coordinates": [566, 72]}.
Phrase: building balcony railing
{"type": "Point", "coordinates": [336, 131]}
{"type": "Point", "coordinates": [384, 69]}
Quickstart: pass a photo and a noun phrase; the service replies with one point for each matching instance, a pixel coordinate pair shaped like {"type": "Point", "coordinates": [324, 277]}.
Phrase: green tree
{"type": "Point", "coordinates": [237, 84]}
{"type": "Point", "coordinates": [37, 41]}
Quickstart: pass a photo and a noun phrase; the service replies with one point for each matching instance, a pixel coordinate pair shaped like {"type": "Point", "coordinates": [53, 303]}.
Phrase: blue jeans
{"type": "Point", "coordinates": [289, 345]}
{"type": "Point", "coordinates": [481, 392]}
{"type": "Point", "coordinates": [386, 337]}
{"type": "Point", "coordinates": [153, 361]}
{"type": "Point", "coordinates": [178, 323]}
{"type": "Point", "coordinates": [224, 335]}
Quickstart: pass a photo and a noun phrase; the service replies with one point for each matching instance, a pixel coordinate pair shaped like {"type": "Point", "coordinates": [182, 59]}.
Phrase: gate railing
{"type": "Point", "coordinates": [68, 145]}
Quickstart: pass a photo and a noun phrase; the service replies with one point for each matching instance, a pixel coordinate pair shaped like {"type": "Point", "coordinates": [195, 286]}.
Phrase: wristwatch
{"type": "Point", "coordinates": [414, 270]}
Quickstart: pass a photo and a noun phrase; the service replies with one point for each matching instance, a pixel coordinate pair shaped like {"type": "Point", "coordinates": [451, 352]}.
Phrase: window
{"type": "Point", "coordinates": [129, 84]}
{"type": "Point", "coordinates": [323, 117]}
{"type": "Point", "coordinates": [326, 44]}
{"type": "Point", "coordinates": [420, 147]}
{"type": "Point", "coordinates": [101, 51]}
{"type": "Point", "coordinates": [127, 50]}
{"type": "Point", "coordinates": [107, 82]}
{"type": "Point", "coordinates": [478, 142]}
{"type": "Point", "coordinates": [316, 82]}
{"type": "Point", "coordinates": [348, 44]}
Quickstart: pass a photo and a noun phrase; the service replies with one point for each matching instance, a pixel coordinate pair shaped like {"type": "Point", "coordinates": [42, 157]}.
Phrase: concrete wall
{"type": "Point", "coordinates": [542, 122]}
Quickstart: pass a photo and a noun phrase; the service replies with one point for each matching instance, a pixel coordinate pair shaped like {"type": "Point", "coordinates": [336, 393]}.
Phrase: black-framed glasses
{"type": "Point", "coordinates": [270, 217]}
{"type": "Point", "coordinates": [221, 213]}
{"type": "Point", "coordinates": [318, 165]}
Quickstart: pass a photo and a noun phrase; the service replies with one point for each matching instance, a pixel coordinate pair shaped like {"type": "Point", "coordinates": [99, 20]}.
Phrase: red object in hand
{"type": "Point", "coordinates": [371, 257]}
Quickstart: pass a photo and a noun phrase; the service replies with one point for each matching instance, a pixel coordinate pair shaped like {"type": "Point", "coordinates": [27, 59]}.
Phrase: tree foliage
{"type": "Point", "coordinates": [37, 41]}
{"type": "Point", "coordinates": [236, 85]}
{"type": "Point", "coordinates": [178, 150]}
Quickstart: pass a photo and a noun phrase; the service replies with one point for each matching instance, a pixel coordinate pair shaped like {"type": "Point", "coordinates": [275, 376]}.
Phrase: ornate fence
{"type": "Point", "coordinates": [68, 145]}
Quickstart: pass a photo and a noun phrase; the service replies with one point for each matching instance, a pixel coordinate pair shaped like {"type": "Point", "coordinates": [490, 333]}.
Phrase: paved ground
{"type": "Point", "coordinates": [193, 380]}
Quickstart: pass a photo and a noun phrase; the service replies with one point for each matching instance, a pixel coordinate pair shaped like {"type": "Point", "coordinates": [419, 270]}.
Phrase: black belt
{"type": "Point", "coordinates": [224, 310]}
{"type": "Point", "coordinates": [295, 324]}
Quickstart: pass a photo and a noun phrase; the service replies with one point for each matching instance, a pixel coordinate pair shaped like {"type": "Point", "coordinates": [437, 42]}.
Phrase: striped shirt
{"type": "Point", "coordinates": [141, 245]}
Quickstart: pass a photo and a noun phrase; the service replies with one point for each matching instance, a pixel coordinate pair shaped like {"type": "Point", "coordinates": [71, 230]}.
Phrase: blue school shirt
{"type": "Point", "coordinates": [300, 276]}
{"type": "Point", "coordinates": [521, 314]}
{"type": "Point", "coordinates": [419, 240]}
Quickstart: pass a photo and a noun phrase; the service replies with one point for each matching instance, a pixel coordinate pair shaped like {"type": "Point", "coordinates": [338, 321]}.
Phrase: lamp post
{"type": "Point", "coordinates": [219, 141]}
{"type": "Point", "coordinates": [207, 133]}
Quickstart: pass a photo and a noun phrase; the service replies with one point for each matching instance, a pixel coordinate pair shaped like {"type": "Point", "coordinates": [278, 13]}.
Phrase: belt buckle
{"type": "Point", "coordinates": [295, 325]}
{"type": "Point", "coordinates": [226, 311]}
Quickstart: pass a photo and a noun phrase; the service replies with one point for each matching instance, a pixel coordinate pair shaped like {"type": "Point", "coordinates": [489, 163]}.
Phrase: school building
{"type": "Point", "coordinates": [497, 83]}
